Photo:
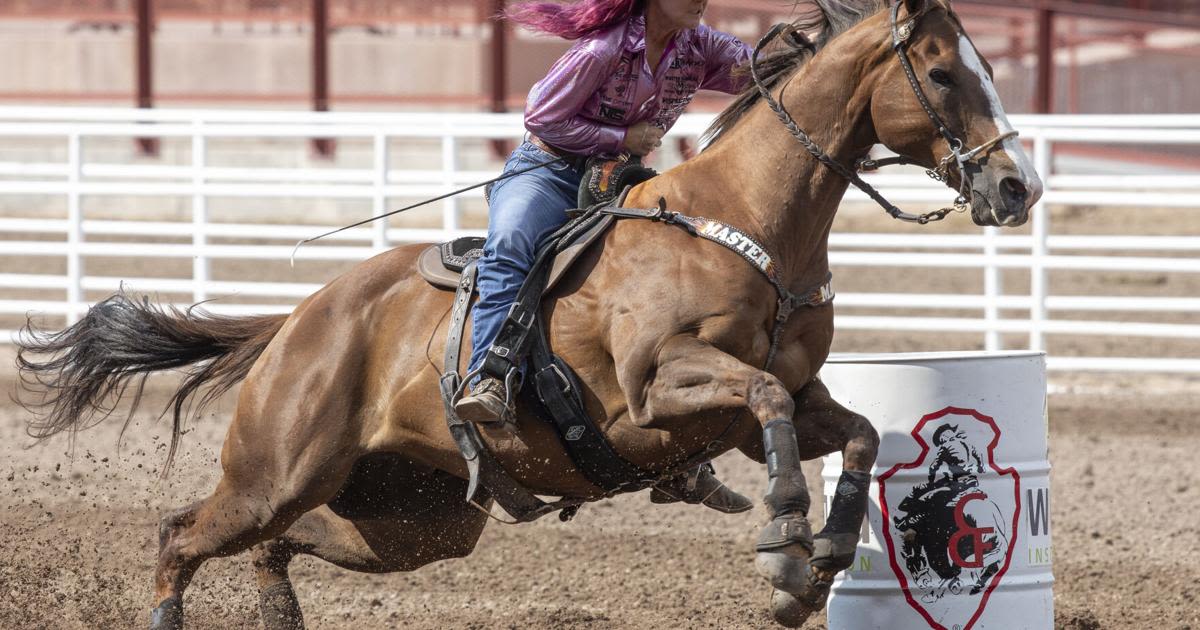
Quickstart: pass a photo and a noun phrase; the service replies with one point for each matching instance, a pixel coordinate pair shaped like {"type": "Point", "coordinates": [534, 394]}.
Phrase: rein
{"type": "Point", "coordinates": [900, 36]}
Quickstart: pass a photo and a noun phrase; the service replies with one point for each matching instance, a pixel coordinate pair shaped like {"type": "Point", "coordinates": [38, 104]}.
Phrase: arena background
{"type": "Point", "coordinates": [202, 193]}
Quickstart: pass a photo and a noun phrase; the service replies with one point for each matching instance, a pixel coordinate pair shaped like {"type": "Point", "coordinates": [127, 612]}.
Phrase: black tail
{"type": "Point", "coordinates": [87, 367]}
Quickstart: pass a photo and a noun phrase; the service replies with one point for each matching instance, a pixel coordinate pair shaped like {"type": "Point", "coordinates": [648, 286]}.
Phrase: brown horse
{"type": "Point", "coordinates": [338, 447]}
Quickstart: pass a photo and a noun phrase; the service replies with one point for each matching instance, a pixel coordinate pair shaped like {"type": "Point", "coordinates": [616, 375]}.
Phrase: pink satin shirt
{"type": "Point", "coordinates": [604, 84]}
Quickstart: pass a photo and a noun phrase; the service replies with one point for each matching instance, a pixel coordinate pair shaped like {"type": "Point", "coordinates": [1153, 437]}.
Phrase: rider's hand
{"type": "Point", "coordinates": [642, 138]}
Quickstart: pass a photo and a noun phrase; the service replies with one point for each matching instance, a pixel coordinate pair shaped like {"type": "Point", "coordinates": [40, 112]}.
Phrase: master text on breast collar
{"type": "Point", "coordinates": [744, 245]}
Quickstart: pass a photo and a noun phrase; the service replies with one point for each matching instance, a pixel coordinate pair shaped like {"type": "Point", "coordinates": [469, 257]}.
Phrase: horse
{"type": "Point", "coordinates": [338, 447]}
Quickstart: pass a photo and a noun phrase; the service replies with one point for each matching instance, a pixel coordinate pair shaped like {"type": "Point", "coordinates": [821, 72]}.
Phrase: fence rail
{"type": "Point", "coordinates": [83, 174]}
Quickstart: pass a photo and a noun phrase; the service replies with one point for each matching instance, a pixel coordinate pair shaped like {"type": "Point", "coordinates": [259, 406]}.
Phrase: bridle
{"type": "Point", "coordinates": [900, 36]}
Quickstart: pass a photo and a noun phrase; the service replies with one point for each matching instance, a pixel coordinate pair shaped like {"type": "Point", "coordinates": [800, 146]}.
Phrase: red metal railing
{"type": "Point", "coordinates": [342, 12]}
{"type": "Point", "coordinates": [1010, 35]}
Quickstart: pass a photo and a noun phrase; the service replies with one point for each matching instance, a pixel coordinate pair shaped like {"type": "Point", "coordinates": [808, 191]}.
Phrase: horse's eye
{"type": "Point", "coordinates": [941, 77]}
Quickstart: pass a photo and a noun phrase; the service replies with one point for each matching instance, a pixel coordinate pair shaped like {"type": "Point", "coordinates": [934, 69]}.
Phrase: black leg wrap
{"type": "Point", "coordinates": [835, 545]}
{"type": "Point", "coordinates": [279, 608]}
{"type": "Point", "coordinates": [787, 492]}
{"type": "Point", "coordinates": [168, 615]}
{"type": "Point", "coordinates": [849, 503]}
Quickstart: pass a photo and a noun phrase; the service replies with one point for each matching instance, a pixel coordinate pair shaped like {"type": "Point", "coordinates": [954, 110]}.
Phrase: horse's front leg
{"type": "Point", "coordinates": [824, 426]}
{"type": "Point", "coordinates": [693, 377]}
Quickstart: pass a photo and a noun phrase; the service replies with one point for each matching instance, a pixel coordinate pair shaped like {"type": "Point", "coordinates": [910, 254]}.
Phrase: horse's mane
{"type": "Point", "coordinates": [784, 56]}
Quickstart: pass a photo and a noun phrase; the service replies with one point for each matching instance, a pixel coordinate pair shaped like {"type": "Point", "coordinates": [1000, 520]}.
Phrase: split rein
{"type": "Point", "coordinates": [900, 36]}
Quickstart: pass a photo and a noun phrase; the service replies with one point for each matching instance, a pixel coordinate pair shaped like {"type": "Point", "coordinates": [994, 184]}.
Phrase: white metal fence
{"type": "Point", "coordinates": [989, 250]}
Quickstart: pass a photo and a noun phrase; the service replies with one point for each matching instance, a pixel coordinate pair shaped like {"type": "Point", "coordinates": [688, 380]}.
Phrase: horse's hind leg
{"type": "Point", "coordinates": [227, 522]}
{"type": "Point", "coordinates": [429, 521]}
{"type": "Point", "coordinates": [277, 601]}
{"type": "Point", "coordinates": [258, 498]}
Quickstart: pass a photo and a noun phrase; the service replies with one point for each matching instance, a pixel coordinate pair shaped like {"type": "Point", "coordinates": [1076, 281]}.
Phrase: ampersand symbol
{"type": "Point", "coordinates": [965, 529]}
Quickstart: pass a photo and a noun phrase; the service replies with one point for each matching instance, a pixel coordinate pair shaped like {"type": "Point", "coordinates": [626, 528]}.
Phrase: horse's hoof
{"type": "Point", "coordinates": [786, 568]}
{"type": "Point", "coordinates": [789, 611]}
{"type": "Point", "coordinates": [816, 589]}
{"type": "Point", "coordinates": [279, 608]}
{"type": "Point", "coordinates": [168, 615]}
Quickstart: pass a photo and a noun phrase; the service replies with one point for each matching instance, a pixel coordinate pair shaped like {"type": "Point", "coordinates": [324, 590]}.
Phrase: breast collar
{"type": "Point", "coordinates": [749, 249]}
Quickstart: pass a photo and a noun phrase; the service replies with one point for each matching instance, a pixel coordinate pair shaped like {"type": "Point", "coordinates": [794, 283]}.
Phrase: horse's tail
{"type": "Point", "coordinates": [84, 369]}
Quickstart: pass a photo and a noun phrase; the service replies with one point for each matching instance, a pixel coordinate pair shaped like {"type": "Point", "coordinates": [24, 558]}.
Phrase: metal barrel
{"type": "Point", "coordinates": [958, 529]}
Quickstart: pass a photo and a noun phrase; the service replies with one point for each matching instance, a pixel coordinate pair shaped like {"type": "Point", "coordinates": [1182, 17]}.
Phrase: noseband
{"type": "Point", "coordinates": [900, 36]}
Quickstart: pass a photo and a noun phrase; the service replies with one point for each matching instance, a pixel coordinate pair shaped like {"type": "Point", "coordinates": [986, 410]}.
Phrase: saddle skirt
{"type": "Point", "coordinates": [442, 265]}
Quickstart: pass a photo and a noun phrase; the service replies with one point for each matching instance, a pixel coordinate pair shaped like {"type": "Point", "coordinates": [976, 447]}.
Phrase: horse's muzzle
{"type": "Point", "coordinates": [1001, 197]}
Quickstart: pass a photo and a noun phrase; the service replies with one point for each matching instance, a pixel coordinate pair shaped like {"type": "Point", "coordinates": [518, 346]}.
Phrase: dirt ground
{"type": "Point", "coordinates": [78, 530]}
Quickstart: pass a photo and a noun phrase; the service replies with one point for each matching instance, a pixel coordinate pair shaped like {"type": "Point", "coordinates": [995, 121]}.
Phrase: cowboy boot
{"type": "Point", "coordinates": [485, 404]}
{"type": "Point", "coordinates": [700, 485]}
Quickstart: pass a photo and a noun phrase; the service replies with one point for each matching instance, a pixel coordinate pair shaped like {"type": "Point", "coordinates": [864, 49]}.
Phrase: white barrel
{"type": "Point", "coordinates": [958, 531]}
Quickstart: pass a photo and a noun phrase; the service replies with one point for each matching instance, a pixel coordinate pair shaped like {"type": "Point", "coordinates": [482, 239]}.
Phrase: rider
{"type": "Point", "coordinates": [957, 461]}
{"type": "Point", "coordinates": [635, 66]}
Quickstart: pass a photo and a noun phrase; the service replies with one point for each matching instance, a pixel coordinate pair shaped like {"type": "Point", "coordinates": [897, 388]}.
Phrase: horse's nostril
{"type": "Point", "coordinates": [1013, 189]}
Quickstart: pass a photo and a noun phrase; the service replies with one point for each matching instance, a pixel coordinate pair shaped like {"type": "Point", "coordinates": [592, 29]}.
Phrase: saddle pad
{"type": "Point", "coordinates": [431, 267]}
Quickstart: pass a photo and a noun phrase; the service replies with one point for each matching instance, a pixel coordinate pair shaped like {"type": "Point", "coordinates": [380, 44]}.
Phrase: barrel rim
{"type": "Point", "coordinates": [849, 358]}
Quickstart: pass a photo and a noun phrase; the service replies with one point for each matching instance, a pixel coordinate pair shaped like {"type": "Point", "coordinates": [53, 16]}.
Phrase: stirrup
{"type": "Point", "coordinates": [487, 406]}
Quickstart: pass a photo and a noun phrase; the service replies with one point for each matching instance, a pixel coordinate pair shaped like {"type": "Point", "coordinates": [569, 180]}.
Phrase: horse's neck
{"type": "Point", "coordinates": [778, 191]}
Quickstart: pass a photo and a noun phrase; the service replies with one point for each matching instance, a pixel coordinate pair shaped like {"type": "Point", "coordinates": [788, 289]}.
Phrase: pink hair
{"type": "Point", "coordinates": [573, 20]}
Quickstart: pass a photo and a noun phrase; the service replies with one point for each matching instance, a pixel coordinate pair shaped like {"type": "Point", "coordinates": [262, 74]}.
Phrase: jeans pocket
{"type": "Point", "coordinates": [537, 155]}
{"type": "Point", "coordinates": [515, 162]}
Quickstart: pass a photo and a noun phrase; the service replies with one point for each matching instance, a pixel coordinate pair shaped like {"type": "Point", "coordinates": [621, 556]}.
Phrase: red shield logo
{"type": "Point", "coordinates": [950, 517]}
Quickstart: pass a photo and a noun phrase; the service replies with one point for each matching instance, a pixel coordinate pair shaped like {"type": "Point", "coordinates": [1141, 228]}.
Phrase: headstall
{"type": "Point", "coordinates": [900, 36]}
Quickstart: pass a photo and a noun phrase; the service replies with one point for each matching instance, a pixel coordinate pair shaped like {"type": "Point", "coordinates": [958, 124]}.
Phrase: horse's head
{"type": "Point", "coordinates": [955, 83]}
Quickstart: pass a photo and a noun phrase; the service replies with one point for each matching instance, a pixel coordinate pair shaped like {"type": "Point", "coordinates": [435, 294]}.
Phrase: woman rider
{"type": "Point", "coordinates": [633, 69]}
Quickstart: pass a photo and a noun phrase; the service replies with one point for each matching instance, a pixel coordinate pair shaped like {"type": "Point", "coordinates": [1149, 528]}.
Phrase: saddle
{"type": "Point", "coordinates": [604, 179]}
{"type": "Point", "coordinates": [442, 265]}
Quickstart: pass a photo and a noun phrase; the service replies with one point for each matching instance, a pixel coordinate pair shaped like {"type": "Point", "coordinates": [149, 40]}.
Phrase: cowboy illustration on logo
{"type": "Point", "coordinates": [951, 517]}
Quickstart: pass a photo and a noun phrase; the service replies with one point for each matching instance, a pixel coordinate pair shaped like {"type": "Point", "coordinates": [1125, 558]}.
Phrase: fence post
{"type": "Point", "coordinates": [1038, 249]}
{"type": "Point", "coordinates": [992, 290]}
{"type": "Point", "coordinates": [200, 266]}
{"type": "Point", "coordinates": [74, 227]}
{"type": "Point", "coordinates": [449, 171]}
{"type": "Point", "coordinates": [379, 192]}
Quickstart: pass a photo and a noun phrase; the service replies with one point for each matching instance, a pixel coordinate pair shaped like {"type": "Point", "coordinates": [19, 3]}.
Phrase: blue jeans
{"type": "Point", "coordinates": [522, 210]}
